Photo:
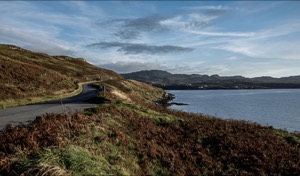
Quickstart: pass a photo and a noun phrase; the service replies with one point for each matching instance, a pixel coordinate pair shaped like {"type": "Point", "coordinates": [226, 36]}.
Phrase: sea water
{"type": "Point", "coordinates": [279, 108]}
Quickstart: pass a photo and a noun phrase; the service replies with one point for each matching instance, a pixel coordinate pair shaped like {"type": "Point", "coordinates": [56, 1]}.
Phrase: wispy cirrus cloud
{"type": "Point", "coordinates": [135, 28]}
{"type": "Point", "coordinates": [132, 28]}
{"type": "Point", "coordinates": [138, 48]}
{"type": "Point", "coordinates": [211, 9]}
{"type": "Point", "coordinates": [224, 34]}
{"type": "Point", "coordinates": [35, 41]}
{"type": "Point", "coordinates": [26, 25]}
{"type": "Point", "coordinates": [208, 7]}
{"type": "Point", "coordinates": [264, 49]}
{"type": "Point", "coordinates": [268, 43]}
{"type": "Point", "coordinates": [188, 21]}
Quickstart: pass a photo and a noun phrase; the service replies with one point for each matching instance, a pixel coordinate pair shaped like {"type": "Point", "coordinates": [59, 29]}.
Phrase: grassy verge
{"type": "Point", "coordinates": [12, 103]}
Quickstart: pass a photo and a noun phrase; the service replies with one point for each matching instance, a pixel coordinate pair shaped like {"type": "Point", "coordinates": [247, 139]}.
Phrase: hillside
{"type": "Point", "coordinates": [26, 75]}
{"type": "Point", "coordinates": [167, 80]}
{"type": "Point", "coordinates": [128, 135]}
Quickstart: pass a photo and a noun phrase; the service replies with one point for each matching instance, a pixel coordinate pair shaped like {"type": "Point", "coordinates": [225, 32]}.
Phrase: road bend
{"type": "Point", "coordinates": [23, 114]}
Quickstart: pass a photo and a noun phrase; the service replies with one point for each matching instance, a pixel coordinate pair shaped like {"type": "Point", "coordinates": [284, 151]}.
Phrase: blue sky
{"type": "Point", "coordinates": [248, 38]}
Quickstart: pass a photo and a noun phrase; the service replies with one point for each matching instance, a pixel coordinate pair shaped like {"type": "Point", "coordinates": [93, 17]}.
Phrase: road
{"type": "Point", "coordinates": [22, 114]}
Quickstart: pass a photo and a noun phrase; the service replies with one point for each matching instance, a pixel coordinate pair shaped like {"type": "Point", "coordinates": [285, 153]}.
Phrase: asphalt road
{"type": "Point", "coordinates": [22, 114]}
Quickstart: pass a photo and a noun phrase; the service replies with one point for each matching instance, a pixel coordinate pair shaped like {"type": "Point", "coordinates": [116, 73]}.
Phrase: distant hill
{"type": "Point", "coordinates": [168, 80]}
{"type": "Point", "coordinates": [27, 75]}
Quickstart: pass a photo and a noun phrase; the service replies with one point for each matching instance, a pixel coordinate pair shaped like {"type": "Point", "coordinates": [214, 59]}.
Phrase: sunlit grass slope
{"type": "Point", "coordinates": [26, 75]}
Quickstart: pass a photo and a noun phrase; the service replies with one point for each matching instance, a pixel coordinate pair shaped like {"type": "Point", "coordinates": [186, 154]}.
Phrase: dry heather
{"type": "Point", "coordinates": [20, 80]}
{"type": "Point", "coordinates": [139, 138]}
{"type": "Point", "coordinates": [26, 75]}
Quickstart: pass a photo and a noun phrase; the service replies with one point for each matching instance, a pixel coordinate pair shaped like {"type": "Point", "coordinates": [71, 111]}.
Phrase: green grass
{"type": "Point", "coordinates": [74, 160]}
{"type": "Point", "coordinates": [82, 162]}
{"type": "Point", "coordinates": [147, 113]}
{"type": "Point", "coordinates": [102, 159]}
{"type": "Point", "coordinates": [155, 170]}
{"type": "Point", "coordinates": [291, 138]}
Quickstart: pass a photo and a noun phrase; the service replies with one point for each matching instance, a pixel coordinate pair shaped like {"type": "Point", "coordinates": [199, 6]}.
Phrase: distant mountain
{"type": "Point", "coordinates": [168, 80]}
{"type": "Point", "coordinates": [290, 79]}
{"type": "Point", "coordinates": [28, 75]}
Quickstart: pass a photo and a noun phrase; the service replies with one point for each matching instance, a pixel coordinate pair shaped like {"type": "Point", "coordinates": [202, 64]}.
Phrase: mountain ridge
{"type": "Point", "coordinates": [168, 80]}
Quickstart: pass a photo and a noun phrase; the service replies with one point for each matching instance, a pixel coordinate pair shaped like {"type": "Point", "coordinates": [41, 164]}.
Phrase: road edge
{"type": "Point", "coordinates": [23, 102]}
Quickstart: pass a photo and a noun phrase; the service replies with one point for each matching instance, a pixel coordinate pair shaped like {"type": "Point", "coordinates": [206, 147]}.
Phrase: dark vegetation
{"type": "Point", "coordinates": [170, 81]}
{"type": "Point", "coordinates": [129, 135]}
{"type": "Point", "coordinates": [167, 100]}
{"type": "Point", "coordinates": [28, 75]}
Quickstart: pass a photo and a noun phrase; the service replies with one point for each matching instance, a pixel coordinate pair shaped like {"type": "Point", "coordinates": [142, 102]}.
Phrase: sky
{"type": "Point", "coordinates": [228, 38]}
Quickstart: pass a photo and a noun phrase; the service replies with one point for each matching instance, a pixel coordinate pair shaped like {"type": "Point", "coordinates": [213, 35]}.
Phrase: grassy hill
{"type": "Point", "coordinates": [127, 134]}
{"type": "Point", "coordinates": [27, 76]}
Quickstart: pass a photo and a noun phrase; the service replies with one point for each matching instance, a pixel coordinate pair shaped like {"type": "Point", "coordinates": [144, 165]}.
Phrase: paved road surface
{"type": "Point", "coordinates": [23, 114]}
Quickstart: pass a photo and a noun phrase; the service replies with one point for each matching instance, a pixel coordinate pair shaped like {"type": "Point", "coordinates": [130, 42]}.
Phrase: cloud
{"type": "Point", "coordinates": [132, 28]}
{"type": "Point", "coordinates": [35, 41]}
{"type": "Point", "coordinates": [216, 69]}
{"type": "Point", "coordinates": [137, 48]}
{"type": "Point", "coordinates": [208, 7]}
{"type": "Point", "coordinates": [266, 44]}
{"type": "Point", "coordinates": [190, 21]}
{"type": "Point", "coordinates": [224, 34]}
{"type": "Point", "coordinates": [211, 10]}
{"type": "Point", "coordinates": [232, 58]}
{"type": "Point", "coordinates": [32, 26]}
{"type": "Point", "coordinates": [127, 34]}
{"type": "Point", "coordinates": [148, 23]}
{"type": "Point", "coordinates": [204, 15]}
{"type": "Point", "coordinates": [290, 27]}
{"type": "Point", "coordinates": [266, 49]}
{"type": "Point", "coordinates": [128, 67]}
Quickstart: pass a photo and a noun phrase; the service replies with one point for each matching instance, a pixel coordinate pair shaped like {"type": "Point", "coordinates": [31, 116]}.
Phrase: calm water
{"type": "Point", "coordinates": [279, 108]}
